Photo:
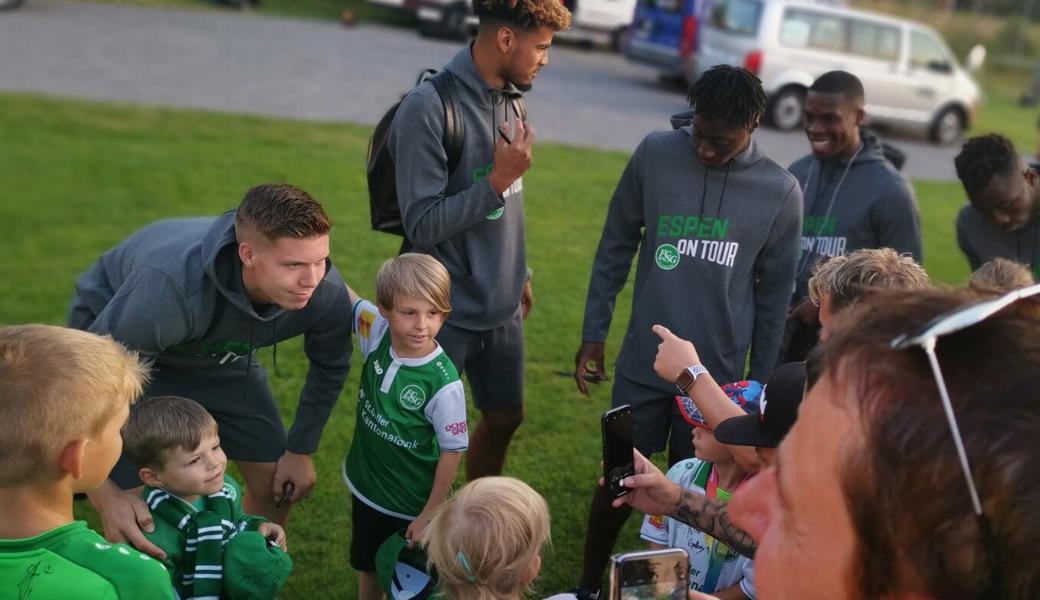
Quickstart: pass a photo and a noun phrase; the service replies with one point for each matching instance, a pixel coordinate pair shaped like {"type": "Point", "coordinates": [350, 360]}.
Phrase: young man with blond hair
{"type": "Point", "coordinates": [64, 395]}
{"type": "Point", "coordinates": [200, 296]}
{"type": "Point", "coordinates": [411, 427]}
{"type": "Point", "coordinates": [470, 216]}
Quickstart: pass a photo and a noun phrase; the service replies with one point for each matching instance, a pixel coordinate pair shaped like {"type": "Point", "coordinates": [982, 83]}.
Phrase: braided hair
{"type": "Point", "coordinates": [982, 158]}
{"type": "Point", "coordinates": [731, 94]}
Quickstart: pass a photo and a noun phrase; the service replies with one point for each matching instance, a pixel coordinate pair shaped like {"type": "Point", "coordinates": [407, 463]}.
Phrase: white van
{"type": "Point", "coordinates": [910, 76]}
{"type": "Point", "coordinates": [594, 21]}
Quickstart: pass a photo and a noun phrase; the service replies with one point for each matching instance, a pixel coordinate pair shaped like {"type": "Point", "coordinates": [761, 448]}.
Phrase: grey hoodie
{"type": "Point", "coordinates": [717, 253]}
{"type": "Point", "coordinates": [848, 206]}
{"type": "Point", "coordinates": [477, 234]}
{"type": "Point", "coordinates": [173, 291]}
{"type": "Point", "coordinates": [981, 240]}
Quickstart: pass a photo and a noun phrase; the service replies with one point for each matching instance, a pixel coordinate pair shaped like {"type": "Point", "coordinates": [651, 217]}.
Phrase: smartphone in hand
{"type": "Point", "coordinates": [658, 574]}
{"type": "Point", "coordinates": [618, 462]}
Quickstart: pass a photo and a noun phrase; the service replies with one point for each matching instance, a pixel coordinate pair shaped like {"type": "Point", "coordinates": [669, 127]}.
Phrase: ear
{"type": "Point", "coordinates": [73, 457]}
{"type": "Point", "coordinates": [505, 39]}
{"type": "Point", "coordinates": [383, 311]}
{"type": "Point", "coordinates": [246, 253]}
{"type": "Point", "coordinates": [536, 568]}
{"type": "Point", "coordinates": [1031, 176]}
{"type": "Point", "coordinates": [861, 115]}
{"type": "Point", "coordinates": [754, 125]}
{"type": "Point", "coordinates": [149, 477]}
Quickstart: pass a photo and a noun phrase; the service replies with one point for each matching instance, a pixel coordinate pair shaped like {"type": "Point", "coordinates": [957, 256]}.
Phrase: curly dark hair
{"type": "Point", "coordinates": [983, 157]}
{"type": "Point", "coordinates": [732, 94]}
{"type": "Point", "coordinates": [526, 14]}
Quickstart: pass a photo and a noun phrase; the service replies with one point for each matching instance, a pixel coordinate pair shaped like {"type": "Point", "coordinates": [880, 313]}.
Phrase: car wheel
{"type": "Point", "coordinates": [9, 4]}
{"type": "Point", "coordinates": [785, 108]}
{"type": "Point", "coordinates": [948, 126]}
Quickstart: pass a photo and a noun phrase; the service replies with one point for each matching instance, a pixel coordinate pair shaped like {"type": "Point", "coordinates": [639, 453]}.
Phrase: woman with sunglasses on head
{"type": "Point", "coordinates": [912, 471]}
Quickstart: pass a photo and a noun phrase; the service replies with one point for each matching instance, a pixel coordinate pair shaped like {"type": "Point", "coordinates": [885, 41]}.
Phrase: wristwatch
{"type": "Point", "coordinates": [688, 376]}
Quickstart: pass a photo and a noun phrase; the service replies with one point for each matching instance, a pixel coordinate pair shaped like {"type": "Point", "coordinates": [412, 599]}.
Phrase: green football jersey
{"type": "Point", "coordinates": [409, 410]}
{"type": "Point", "coordinates": [72, 561]}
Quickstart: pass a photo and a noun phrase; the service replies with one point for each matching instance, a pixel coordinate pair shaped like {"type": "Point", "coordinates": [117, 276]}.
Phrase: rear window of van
{"type": "Point", "coordinates": [739, 17]}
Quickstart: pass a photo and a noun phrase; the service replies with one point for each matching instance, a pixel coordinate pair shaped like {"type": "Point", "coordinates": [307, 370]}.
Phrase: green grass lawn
{"type": "Point", "coordinates": [78, 177]}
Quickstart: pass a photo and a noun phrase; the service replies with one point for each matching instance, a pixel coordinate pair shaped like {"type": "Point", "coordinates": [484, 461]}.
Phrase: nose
{"type": "Point", "coordinates": [754, 502]}
{"type": "Point", "coordinates": [705, 152]}
{"type": "Point", "coordinates": [312, 275]}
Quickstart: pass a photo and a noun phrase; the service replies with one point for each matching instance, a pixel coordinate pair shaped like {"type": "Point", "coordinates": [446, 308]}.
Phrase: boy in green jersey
{"type": "Point", "coordinates": [212, 548]}
{"type": "Point", "coordinates": [411, 426]}
{"type": "Point", "coordinates": [64, 395]}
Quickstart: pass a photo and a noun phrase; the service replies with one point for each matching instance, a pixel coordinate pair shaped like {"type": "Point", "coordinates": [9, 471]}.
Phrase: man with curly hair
{"type": "Point", "coordinates": [471, 217]}
{"type": "Point", "coordinates": [1004, 193]}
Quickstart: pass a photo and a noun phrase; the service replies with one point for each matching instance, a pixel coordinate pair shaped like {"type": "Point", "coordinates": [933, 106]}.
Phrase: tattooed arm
{"type": "Point", "coordinates": [651, 492]}
{"type": "Point", "coordinates": [711, 517]}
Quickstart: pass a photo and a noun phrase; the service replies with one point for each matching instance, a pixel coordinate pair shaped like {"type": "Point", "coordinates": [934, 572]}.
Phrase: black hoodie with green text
{"type": "Point", "coordinates": [459, 219]}
{"type": "Point", "coordinates": [717, 249]}
{"type": "Point", "coordinates": [862, 202]}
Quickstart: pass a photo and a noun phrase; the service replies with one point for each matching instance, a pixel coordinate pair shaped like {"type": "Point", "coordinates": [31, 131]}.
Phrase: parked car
{"type": "Point", "coordinates": [911, 77]}
{"type": "Point", "coordinates": [594, 21]}
{"type": "Point", "coordinates": [664, 34]}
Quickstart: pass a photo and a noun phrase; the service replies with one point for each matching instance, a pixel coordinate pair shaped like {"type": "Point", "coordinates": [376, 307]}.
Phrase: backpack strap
{"type": "Point", "coordinates": [454, 128]}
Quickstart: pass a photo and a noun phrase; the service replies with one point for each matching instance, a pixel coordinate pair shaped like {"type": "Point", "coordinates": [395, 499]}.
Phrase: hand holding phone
{"type": "Point", "coordinates": [618, 461]}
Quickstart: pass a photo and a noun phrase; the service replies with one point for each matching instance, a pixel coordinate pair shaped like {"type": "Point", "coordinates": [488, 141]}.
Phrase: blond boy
{"type": "Point", "coordinates": [411, 427]}
{"type": "Point", "coordinates": [212, 547]}
{"type": "Point", "coordinates": [64, 395]}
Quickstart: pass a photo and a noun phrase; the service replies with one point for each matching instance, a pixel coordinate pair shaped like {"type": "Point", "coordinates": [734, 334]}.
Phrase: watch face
{"type": "Point", "coordinates": [685, 380]}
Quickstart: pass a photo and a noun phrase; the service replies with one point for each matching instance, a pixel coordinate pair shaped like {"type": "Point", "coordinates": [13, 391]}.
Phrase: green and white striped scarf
{"type": "Point", "coordinates": [206, 531]}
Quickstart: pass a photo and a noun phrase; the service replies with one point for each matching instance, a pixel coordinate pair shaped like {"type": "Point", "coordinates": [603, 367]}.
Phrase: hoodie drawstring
{"type": "Point", "coordinates": [722, 196]}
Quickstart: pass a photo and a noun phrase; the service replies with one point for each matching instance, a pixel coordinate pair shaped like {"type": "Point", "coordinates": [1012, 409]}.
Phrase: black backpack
{"type": "Point", "coordinates": [382, 184]}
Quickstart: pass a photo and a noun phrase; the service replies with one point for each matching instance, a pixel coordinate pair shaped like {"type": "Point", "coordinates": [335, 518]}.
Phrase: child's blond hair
{"type": "Point", "coordinates": [415, 275]}
{"type": "Point", "coordinates": [159, 425]}
{"type": "Point", "coordinates": [1001, 275]}
{"type": "Point", "coordinates": [57, 385]}
{"type": "Point", "coordinates": [485, 540]}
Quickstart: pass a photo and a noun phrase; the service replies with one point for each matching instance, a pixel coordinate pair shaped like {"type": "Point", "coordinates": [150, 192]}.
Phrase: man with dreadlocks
{"type": "Point", "coordinates": [1004, 193]}
{"type": "Point", "coordinates": [717, 226]}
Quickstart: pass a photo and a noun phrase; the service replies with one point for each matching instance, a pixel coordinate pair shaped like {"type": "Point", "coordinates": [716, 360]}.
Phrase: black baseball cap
{"type": "Point", "coordinates": [777, 411]}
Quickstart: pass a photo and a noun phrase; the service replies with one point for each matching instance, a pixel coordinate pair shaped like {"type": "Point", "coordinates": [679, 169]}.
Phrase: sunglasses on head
{"type": "Point", "coordinates": [951, 322]}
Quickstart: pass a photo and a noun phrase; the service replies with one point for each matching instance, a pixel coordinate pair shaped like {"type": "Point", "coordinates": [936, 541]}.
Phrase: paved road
{"type": "Point", "coordinates": [314, 70]}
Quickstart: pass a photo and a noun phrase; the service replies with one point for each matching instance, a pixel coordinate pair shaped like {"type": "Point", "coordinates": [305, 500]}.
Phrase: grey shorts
{"type": "Point", "coordinates": [250, 426]}
{"type": "Point", "coordinates": [656, 422]}
{"type": "Point", "coordinates": [492, 360]}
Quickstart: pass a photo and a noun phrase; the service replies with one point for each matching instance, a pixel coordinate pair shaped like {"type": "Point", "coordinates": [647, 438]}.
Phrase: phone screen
{"type": "Point", "coordinates": [654, 575]}
{"type": "Point", "coordinates": [617, 449]}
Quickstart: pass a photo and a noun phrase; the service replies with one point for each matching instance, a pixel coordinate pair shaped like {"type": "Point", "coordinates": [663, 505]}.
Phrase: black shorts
{"type": "Point", "coordinates": [370, 528]}
{"type": "Point", "coordinates": [247, 417]}
{"type": "Point", "coordinates": [656, 422]}
{"type": "Point", "coordinates": [492, 360]}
